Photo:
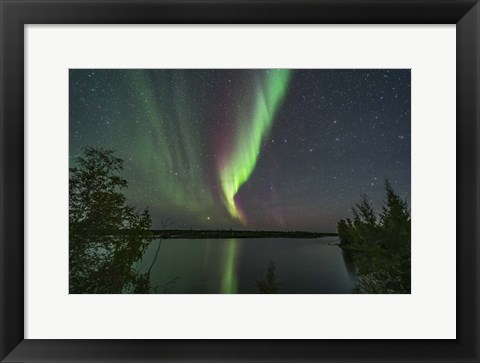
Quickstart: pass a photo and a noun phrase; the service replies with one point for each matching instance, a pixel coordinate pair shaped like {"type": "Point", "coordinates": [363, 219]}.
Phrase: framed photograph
{"type": "Point", "coordinates": [236, 192]}
{"type": "Point", "coordinates": [240, 181]}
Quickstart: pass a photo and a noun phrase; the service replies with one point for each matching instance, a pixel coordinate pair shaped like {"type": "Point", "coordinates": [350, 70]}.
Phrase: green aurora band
{"type": "Point", "coordinates": [252, 129]}
{"type": "Point", "coordinates": [179, 183]}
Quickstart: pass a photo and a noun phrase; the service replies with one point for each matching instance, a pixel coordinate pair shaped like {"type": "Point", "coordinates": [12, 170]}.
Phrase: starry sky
{"type": "Point", "coordinates": [267, 149]}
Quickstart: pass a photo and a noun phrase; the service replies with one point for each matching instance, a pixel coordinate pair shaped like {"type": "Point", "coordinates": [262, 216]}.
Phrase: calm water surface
{"type": "Point", "coordinates": [303, 266]}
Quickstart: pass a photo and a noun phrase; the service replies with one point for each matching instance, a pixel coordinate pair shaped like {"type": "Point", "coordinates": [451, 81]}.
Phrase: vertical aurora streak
{"type": "Point", "coordinates": [237, 168]}
{"type": "Point", "coordinates": [169, 152]}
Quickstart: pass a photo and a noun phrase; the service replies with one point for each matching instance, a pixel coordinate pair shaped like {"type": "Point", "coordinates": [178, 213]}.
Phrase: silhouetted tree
{"type": "Point", "coordinates": [107, 236]}
{"type": "Point", "coordinates": [395, 219]}
{"type": "Point", "coordinates": [380, 245]}
{"type": "Point", "coordinates": [268, 285]}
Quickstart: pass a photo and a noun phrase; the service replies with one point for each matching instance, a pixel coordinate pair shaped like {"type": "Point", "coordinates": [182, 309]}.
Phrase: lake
{"type": "Point", "coordinates": [211, 266]}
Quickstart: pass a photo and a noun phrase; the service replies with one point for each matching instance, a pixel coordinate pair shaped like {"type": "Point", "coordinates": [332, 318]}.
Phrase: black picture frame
{"type": "Point", "coordinates": [16, 13]}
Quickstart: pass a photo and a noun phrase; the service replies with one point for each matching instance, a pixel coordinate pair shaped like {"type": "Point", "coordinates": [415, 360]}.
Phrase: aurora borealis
{"type": "Point", "coordinates": [248, 149]}
{"type": "Point", "coordinates": [252, 129]}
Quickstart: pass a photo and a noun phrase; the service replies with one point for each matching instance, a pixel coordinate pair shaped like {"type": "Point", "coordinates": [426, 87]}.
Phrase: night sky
{"type": "Point", "coordinates": [248, 149]}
